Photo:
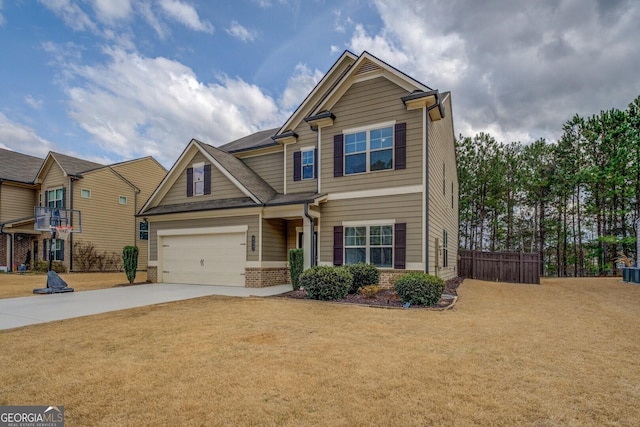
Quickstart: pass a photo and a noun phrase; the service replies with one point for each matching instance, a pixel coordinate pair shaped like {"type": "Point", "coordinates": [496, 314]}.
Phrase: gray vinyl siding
{"type": "Point", "coordinates": [274, 244]}
{"type": "Point", "coordinates": [16, 202]}
{"type": "Point", "coordinates": [221, 187]}
{"type": "Point", "coordinates": [306, 139]}
{"type": "Point", "coordinates": [251, 221]}
{"type": "Point", "coordinates": [368, 103]}
{"type": "Point", "coordinates": [269, 167]}
{"type": "Point", "coordinates": [406, 208]}
{"type": "Point", "coordinates": [441, 215]}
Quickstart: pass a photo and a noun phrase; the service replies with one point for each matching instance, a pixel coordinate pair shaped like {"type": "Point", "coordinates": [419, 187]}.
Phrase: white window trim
{"type": "Point", "coordinates": [368, 246]}
{"type": "Point", "coordinates": [302, 151]}
{"type": "Point", "coordinates": [48, 199]}
{"type": "Point", "coordinates": [82, 190]}
{"type": "Point", "coordinates": [368, 150]}
{"type": "Point", "coordinates": [120, 200]}
{"type": "Point", "coordinates": [194, 166]}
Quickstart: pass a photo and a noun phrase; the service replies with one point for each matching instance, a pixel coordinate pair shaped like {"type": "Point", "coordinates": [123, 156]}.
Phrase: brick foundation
{"type": "Point", "coordinates": [152, 274]}
{"type": "Point", "coordinates": [388, 277]}
{"type": "Point", "coordinates": [263, 277]}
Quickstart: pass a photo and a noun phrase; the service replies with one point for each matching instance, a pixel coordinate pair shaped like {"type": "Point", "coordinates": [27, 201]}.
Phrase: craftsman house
{"type": "Point", "coordinates": [363, 171]}
{"type": "Point", "coordinates": [107, 198]}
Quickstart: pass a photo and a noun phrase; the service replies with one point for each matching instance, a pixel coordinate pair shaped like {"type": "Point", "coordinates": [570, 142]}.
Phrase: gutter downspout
{"type": "Point", "coordinates": [313, 249]}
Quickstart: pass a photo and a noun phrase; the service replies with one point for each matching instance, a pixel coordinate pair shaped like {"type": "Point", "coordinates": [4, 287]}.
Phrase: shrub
{"type": "Point", "coordinates": [296, 265]}
{"type": "Point", "coordinates": [326, 283]}
{"type": "Point", "coordinates": [130, 261]}
{"type": "Point", "coordinates": [369, 291]}
{"type": "Point", "coordinates": [43, 267]}
{"type": "Point", "coordinates": [419, 288]}
{"type": "Point", "coordinates": [363, 275]}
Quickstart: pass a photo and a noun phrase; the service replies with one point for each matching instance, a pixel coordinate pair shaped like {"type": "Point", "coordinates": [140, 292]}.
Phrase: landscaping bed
{"type": "Point", "coordinates": [388, 298]}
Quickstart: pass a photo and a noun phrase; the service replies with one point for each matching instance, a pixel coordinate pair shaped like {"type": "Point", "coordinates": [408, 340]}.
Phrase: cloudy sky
{"type": "Point", "coordinates": [109, 80]}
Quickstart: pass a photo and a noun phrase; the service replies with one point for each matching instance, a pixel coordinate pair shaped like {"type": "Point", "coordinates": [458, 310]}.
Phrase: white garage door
{"type": "Point", "coordinates": [208, 259]}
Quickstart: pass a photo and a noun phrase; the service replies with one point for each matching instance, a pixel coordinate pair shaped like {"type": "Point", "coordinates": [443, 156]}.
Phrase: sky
{"type": "Point", "coordinates": [112, 80]}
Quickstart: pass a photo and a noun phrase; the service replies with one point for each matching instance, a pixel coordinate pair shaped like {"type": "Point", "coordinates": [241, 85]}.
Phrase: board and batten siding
{"type": "Point", "coordinates": [16, 202]}
{"type": "Point", "coordinates": [274, 243]}
{"type": "Point", "coordinates": [405, 208]}
{"type": "Point", "coordinates": [221, 187]}
{"type": "Point", "coordinates": [442, 215]}
{"type": "Point", "coordinates": [269, 167]}
{"type": "Point", "coordinates": [106, 223]}
{"type": "Point", "coordinates": [369, 103]}
{"type": "Point", "coordinates": [306, 139]}
{"type": "Point", "coordinates": [252, 221]}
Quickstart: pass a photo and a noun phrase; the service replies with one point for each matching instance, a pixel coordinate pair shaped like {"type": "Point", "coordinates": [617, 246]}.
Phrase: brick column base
{"type": "Point", "coordinates": [152, 274]}
{"type": "Point", "coordinates": [262, 277]}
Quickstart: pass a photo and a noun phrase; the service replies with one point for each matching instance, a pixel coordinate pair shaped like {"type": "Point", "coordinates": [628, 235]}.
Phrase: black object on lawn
{"type": "Point", "coordinates": [55, 285]}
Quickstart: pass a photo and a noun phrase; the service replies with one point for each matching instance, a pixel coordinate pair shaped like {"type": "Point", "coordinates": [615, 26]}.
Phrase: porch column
{"type": "Point", "coordinates": [307, 241]}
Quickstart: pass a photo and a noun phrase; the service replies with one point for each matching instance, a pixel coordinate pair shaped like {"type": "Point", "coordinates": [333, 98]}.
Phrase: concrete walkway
{"type": "Point", "coordinates": [16, 312]}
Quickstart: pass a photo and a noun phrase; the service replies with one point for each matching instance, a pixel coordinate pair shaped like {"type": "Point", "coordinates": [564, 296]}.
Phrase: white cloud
{"type": "Point", "coordinates": [186, 15]}
{"type": "Point", "coordinates": [18, 137]}
{"type": "Point", "coordinates": [144, 7]}
{"type": "Point", "coordinates": [299, 85]}
{"type": "Point", "coordinates": [241, 33]}
{"type": "Point", "coordinates": [112, 10]}
{"type": "Point", "coordinates": [71, 13]}
{"type": "Point", "coordinates": [136, 106]}
{"type": "Point", "coordinates": [33, 102]}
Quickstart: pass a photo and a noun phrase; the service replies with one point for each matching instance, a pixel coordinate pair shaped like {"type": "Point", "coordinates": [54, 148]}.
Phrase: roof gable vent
{"type": "Point", "coordinates": [367, 67]}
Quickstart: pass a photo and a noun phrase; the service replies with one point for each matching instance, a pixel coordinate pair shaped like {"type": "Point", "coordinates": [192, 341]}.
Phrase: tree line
{"type": "Point", "coordinates": [574, 201]}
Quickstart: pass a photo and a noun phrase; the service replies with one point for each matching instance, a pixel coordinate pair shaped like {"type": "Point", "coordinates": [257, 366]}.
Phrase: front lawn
{"type": "Point", "coordinates": [564, 353]}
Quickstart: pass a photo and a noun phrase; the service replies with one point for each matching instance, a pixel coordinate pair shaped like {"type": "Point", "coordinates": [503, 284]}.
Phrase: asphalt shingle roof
{"type": "Point", "coordinates": [73, 165]}
{"type": "Point", "coordinates": [259, 139]}
{"type": "Point", "coordinates": [18, 167]}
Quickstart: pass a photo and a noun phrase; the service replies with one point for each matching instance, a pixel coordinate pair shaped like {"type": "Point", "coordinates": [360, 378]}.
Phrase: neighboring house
{"type": "Point", "coordinates": [108, 198]}
{"type": "Point", "coordinates": [363, 171]}
{"type": "Point", "coordinates": [17, 199]}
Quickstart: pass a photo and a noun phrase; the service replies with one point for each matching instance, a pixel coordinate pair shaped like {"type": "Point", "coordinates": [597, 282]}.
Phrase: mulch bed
{"type": "Point", "coordinates": [388, 298]}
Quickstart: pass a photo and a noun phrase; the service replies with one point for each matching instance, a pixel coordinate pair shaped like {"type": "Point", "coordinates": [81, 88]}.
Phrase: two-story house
{"type": "Point", "coordinates": [106, 197]}
{"type": "Point", "coordinates": [363, 171]}
{"type": "Point", "coordinates": [17, 199]}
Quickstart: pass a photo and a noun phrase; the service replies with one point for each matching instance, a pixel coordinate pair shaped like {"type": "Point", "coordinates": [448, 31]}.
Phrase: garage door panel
{"type": "Point", "coordinates": [212, 259]}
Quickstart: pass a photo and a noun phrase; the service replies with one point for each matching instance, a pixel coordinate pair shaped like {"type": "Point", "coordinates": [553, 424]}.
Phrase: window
{"type": "Point", "coordinates": [55, 198]}
{"type": "Point", "coordinates": [122, 200]}
{"type": "Point", "coordinates": [444, 180]}
{"type": "Point", "coordinates": [369, 150]}
{"type": "Point", "coordinates": [369, 244]}
{"type": "Point", "coordinates": [307, 164]}
{"type": "Point", "coordinates": [58, 249]}
{"type": "Point", "coordinates": [445, 249]}
{"type": "Point", "coordinates": [85, 194]}
{"type": "Point", "coordinates": [144, 230]}
{"type": "Point", "coordinates": [198, 179]}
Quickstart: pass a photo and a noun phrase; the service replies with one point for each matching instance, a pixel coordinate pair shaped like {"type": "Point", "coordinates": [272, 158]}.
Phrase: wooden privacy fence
{"type": "Point", "coordinates": [513, 267]}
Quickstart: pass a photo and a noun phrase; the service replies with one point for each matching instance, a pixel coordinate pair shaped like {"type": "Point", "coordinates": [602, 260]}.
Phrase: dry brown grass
{"type": "Point", "coordinates": [561, 354]}
{"type": "Point", "coordinates": [22, 285]}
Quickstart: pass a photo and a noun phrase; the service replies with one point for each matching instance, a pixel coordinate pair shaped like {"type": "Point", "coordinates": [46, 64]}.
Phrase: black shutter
{"type": "Point", "coordinates": [64, 198]}
{"type": "Point", "coordinates": [189, 182]}
{"type": "Point", "coordinates": [61, 252]}
{"type": "Point", "coordinates": [400, 137]}
{"type": "Point", "coordinates": [338, 147]}
{"type": "Point", "coordinates": [207, 179]}
{"type": "Point", "coordinates": [315, 163]}
{"type": "Point", "coordinates": [46, 198]}
{"type": "Point", "coordinates": [44, 250]}
{"type": "Point", "coordinates": [338, 244]}
{"type": "Point", "coordinates": [297, 166]}
{"type": "Point", "coordinates": [400, 246]}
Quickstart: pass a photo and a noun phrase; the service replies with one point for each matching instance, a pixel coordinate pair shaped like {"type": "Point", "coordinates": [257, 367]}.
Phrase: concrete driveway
{"type": "Point", "coordinates": [16, 312]}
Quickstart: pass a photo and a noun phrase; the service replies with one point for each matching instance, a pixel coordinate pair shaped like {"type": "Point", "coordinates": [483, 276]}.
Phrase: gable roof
{"type": "Point", "coordinates": [260, 139]}
{"type": "Point", "coordinates": [18, 167]}
{"type": "Point", "coordinates": [73, 165]}
{"type": "Point", "coordinates": [250, 180]}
